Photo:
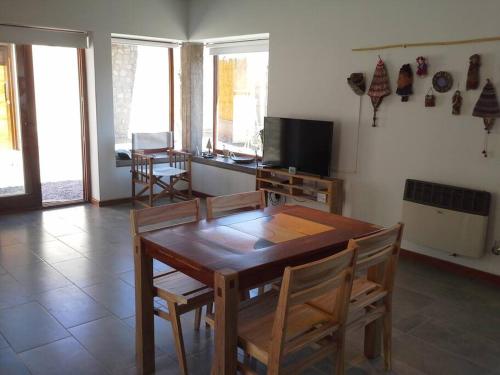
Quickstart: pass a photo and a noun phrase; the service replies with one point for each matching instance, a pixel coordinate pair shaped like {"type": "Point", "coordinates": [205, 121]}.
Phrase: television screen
{"type": "Point", "coordinates": [303, 144]}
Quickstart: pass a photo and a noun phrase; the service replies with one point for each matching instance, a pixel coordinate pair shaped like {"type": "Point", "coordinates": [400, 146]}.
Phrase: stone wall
{"type": "Point", "coordinates": [124, 59]}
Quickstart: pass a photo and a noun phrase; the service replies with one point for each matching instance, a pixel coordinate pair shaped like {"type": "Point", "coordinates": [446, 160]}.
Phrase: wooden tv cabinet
{"type": "Point", "coordinates": [302, 187]}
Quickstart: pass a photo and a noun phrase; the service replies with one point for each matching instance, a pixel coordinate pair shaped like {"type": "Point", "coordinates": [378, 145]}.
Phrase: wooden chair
{"type": "Point", "coordinates": [234, 202]}
{"type": "Point", "coordinates": [148, 148]}
{"type": "Point", "coordinates": [272, 326]}
{"type": "Point", "coordinates": [181, 293]}
{"type": "Point", "coordinates": [371, 297]}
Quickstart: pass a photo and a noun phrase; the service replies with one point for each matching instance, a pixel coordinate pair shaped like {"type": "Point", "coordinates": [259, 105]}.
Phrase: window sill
{"type": "Point", "coordinates": [227, 163]}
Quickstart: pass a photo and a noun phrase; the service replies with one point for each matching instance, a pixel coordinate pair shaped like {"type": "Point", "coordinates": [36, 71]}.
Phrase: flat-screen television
{"type": "Point", "coordinates": [303, 144]}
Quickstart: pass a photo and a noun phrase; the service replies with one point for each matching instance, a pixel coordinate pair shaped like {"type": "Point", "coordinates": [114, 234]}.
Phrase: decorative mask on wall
{"type": "Point", "coordinates": [456, 103]}
{"type": "Point", "coordinates": [379, 88]}
{"type": "Point", "coordinates": [357, 83]}
{"type": "Point", "coordinates": [422, 66]}
{"type": "Point", "coordinates": [473, 72]}
{"type": "Point", "coordinates": [405, 82]}
{"type": "Point", "coordinates": [487, 107]}
{"type": "Point", "coordinates": [430, 99]}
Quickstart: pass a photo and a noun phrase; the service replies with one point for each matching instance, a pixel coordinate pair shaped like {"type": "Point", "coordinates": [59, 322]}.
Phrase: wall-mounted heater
{"type": "Point", "coordinates": [448, 218]}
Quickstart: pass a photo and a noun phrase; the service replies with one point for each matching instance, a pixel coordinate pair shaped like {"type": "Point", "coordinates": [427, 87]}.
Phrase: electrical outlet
{"type": "Point", "coordinates": [496, 248]}
{"type": "Point", "coordinates": [321, 197]}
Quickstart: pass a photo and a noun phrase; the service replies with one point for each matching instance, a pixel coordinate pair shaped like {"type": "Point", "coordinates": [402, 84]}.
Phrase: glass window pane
{"type": "Point", "coordinates": [141, 91]}
{"type": "Point", "coordinates": [241, 101]}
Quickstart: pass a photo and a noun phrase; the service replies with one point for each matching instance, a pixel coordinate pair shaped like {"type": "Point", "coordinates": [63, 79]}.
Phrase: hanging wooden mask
{"type": "Point", "coordinates": [430, 98]}
{"type": "Point", "coordinates": [473, 72]}
{"type": "Point", "coordinates": [379, 88]}
{"type": "Point", "coordinates": [405, 82]}
{"type": "Point", "coordinates": [456, 103]}
{"type": "Point", "coordinates": [421, 66]}
{"type": "Point", "coordinates": [356, 82]}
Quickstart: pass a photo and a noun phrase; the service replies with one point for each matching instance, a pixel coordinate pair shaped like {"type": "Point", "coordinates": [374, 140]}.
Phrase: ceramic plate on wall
{"type": "Point", "coordinates": [442, 81]}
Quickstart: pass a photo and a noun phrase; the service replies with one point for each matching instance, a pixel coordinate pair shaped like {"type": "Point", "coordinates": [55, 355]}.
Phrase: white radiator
{"type": "Point", "coordinates": [446, 218]}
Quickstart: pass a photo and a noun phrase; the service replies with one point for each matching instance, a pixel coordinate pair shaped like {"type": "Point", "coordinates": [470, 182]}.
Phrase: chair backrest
{"type": "Point", "coordinates": [252, 199]}
{"type": "Point", "coordinates": [152, 142]}
{"type": "Point", "coordinates": [147, 219]}
{"type": "Point", "coordinates": [378, 255]}
{"type": "Point", "coordinates": [303, 284]}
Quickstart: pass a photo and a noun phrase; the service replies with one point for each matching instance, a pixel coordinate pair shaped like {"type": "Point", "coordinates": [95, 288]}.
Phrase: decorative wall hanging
{"type": "Point", "coordinates": [430, 99]}
{"type": "Point", "coordinates": [488, 108]}
{"type": "Point", "coordinates": [442, 81]}
{"type": "Point", "coordinates": [405, 82]}
{"type": "Point", "coordinates": [357, 83]}
{"type": "Point", "coordinates": [456, 103]}
{"type": "Point", "coordinates": [473, 72]}
{"type": "Point", "coordinates": [379, 88]}
{"type": "Point", "coordinates": [421, 66]}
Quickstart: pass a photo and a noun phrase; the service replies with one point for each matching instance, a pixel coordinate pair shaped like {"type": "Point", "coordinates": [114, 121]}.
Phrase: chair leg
{"type": "Point", "coordinates": [197, 319]}
{"type": "Point", "coordinates": [151, 192]}
{"type": "Point", "coordinates": [210, 310]}
{"type": "Point", "coordinates": [387, 337]}
{"type": "Point", "coordinates": [340, 357]}
{"type": "Point", "coordinates": [133, 192]}
{"type": "Point", "coordinates": [179, 341]}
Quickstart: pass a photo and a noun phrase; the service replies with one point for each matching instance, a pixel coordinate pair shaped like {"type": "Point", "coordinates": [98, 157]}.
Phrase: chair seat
{"type": "Point", "coordinates": [364, 293]}
{"type": "Point", "coordinates": [182, 289]}
{"type": "Point", "coordinates": [165, 170]}
{"type": "Point", "coordinates": [256, 318]}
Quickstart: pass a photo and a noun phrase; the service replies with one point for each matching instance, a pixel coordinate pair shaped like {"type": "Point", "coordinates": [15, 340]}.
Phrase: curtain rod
{"type": "Point", "coordinates": [44, 28]}
{"type": "Point", "coordinates": [425, 44]}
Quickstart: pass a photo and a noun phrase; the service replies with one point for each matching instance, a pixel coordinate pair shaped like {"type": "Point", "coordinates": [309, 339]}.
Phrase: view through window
{"type": "Point", "coordinates": [144, 76]}
{"type": "Point", "coordinates": [240, 81]}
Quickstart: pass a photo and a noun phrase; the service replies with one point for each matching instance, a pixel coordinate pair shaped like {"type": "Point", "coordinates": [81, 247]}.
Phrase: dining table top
{"type": "Point", "coordinates": [256, 244]}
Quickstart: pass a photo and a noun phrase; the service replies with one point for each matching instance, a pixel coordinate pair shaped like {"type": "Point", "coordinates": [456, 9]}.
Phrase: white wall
{"type": "Point", "coordinates": [152, 18]}
{"type": "Point", "coordinates": [310, 58]}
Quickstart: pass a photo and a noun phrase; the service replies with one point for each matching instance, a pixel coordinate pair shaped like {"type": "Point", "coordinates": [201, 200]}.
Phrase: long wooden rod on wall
{"type": "Point", "coordinates": [426, 44]}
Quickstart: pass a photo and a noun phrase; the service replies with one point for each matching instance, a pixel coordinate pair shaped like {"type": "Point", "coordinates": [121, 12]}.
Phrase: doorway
{"type": "Point", "coordinates": [43, 128]}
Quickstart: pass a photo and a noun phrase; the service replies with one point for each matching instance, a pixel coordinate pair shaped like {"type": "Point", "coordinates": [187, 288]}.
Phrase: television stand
{"type": "Point", "coordinates": [327, 191]}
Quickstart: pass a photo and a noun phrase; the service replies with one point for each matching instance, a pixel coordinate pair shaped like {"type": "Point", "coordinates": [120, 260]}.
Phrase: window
{"type": "Point", "coordinates": [239, 99]}
{"type": "Point", "coordinates": [146, 89]}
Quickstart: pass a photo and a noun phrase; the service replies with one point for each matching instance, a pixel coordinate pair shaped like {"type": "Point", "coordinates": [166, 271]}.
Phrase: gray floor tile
{"type": "Point", "coordinates": [10, 364]}
{"type": "Point", "coordinates": [71, 306]}
{"type": "Point", "coordinates": [14, 256]}
{"type": "Point", "coordinates": [109, 340]}
{"type": "Point", "coordinates": [55, 251]}
{"type": "Point", "coordinates": [28, 234]}
{"type": "Point", "coordinates": [28, 326]}
{"type": "Point", "coordinates": [12, 292]}
{"type": "Point", "coordinates": [116, 295]}
{"type": "Point", "coordinates": [62, 357]}
{"type": "Point", "coordinates": [39, 277]}
{"type": "Point", "coordinates": [113, 261]}
{"type": "Point", "coordinates": [82, 272]}
{"type": "Point", "coordinates": [3, 342]}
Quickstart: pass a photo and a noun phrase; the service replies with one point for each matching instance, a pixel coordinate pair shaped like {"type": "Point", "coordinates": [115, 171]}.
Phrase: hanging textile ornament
{"type": "Point", "coordinates": [456, 103]}
{"type": "Point", "coordinates": [405, 82]}
{"type": "Point", "coordinates": [430, 99]}
{"type": "Point", "coordinates": [421, 66]}
{"type": "Point", "coordinates": [473, 72]}
{"type": "Point", "coordinates": [379, 88]}
{"type": "Point", "coordinates": [357, 83]}
{"type": "Point", "coordinates": [487, 107]}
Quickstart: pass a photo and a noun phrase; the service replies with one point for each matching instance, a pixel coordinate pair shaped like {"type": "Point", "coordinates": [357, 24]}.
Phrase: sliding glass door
{"type": "Point", "coordinates": [41, 112]}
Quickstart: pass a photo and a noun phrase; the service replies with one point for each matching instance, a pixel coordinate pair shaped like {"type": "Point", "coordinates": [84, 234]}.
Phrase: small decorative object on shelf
{"type": "Point", "coordinates": [442, 81]}
{"type": "Point", "coordinates": [405, 82]}
{"type": "Point", "coordinates": [488, 108]}
{"type": "Point", "coordinates": [209, 146]}
{"type": "Point", "coordinates": [456, 103]}
{"type": "Point", "coordinates": [430, 99]}
{"type": "Point", "coordinates": [379, 88]}
{"type": "Point", "coordinates": [357, 83]}
{"type": "Point", "coordinates": [422, 66]}
{"type": "Point", "coordinates": [208, 154]}
{"type": "Point", "coordinates": [473, 72]}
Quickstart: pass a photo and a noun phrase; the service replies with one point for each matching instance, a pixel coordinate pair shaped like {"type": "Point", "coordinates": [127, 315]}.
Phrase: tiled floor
{"type": "Point", "coordinates": [67, 307]}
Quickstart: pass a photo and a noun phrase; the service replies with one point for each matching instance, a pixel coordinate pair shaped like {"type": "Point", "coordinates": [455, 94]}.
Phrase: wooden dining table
{"type": "Point", "coordinates": [233, 254]}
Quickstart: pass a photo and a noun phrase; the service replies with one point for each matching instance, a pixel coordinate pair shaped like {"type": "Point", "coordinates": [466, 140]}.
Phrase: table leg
{"type": "Point", "coordinates": [144, 318]}
{"type": "Point", "coordinates": [226, 322]}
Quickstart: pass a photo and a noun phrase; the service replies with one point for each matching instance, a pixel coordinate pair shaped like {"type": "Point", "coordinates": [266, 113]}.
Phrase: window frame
{"type": "Point", "coordinates": [171, 74]}
{"type": "Point", "coordinates": [214, 117]}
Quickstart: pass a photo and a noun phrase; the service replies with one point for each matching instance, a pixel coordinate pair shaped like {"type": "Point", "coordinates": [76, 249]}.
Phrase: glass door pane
{"type": "Point", "coordinates": [58, 119]}
{"type": "Point", "coordinates": [11, 155]}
